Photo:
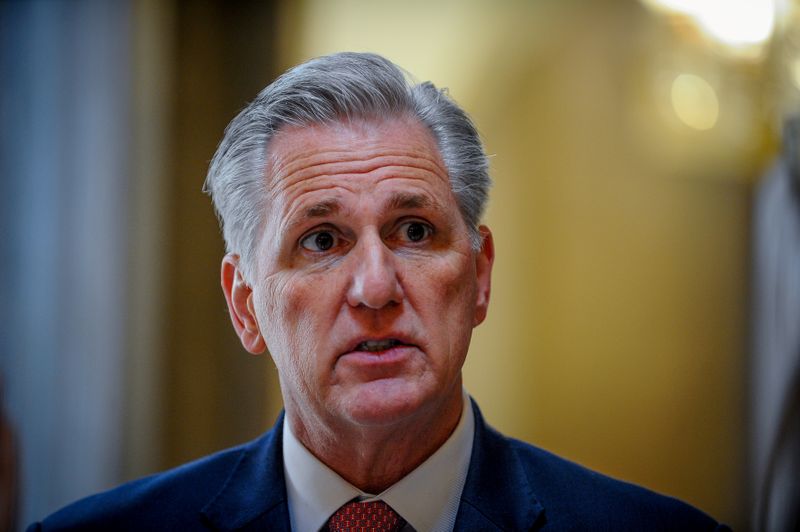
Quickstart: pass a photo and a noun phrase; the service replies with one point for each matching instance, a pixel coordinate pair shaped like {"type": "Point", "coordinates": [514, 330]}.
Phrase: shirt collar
{"type": "Point", "coordinates": [427, 498]}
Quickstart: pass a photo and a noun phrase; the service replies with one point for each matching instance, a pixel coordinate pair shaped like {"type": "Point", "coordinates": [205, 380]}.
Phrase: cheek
{"type": "Point", "coordinates": [457, 281]}
{"type": "Point", "coordinates": [278, 318]}
{"type": "Point", "coordinates": [290, 321]}
{"type": "Point", "coordinates": [444, 289]}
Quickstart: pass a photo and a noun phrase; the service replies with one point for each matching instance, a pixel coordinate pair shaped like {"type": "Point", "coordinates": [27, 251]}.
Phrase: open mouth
{"type": "Point", "coordinates": [374, 346]}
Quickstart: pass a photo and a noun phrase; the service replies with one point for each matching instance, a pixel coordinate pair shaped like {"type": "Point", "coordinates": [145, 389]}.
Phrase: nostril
{"type": "Point", "coordinates": [375, 291]}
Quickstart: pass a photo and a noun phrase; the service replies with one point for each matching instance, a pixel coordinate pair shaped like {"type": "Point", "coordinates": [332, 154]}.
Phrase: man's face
{"type": "Point", "coordinates": [365, 287]}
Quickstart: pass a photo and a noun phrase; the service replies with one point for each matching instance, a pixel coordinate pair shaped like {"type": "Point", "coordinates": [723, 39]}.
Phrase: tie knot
{"type": "Point", "coordinates": [375, 516]}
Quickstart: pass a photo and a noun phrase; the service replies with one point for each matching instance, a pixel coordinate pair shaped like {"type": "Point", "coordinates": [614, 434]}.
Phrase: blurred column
{"type": "Point", "coordinates": [64, 121]}
{"type": "Point", "coordinates": [153, 27]}
{"type": "Point", "coordinates": [224, 53]}
{"type": "Point", "coordinates": [776, 348]}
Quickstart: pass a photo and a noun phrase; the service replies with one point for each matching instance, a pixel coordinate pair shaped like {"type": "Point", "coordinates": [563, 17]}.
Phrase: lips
{"type": "Point", "coordinates": [377, 345]}
{"type": "Point", "coordinates": [367, 359]}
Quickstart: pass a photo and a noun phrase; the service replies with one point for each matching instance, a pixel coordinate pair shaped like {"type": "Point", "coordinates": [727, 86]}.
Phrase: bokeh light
{"type": "Point", "coordinates": [695, 101]}
{"type": "Point", "coordinates": [742, 26]}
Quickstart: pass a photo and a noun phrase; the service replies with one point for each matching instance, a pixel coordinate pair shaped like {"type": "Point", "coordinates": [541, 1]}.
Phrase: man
{"type": "Point", "coordinates": [351, 204]}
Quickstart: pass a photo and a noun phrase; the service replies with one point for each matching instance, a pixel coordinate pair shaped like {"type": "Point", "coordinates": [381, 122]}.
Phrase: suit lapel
{"type": "Point", "coordinates": [254, 495]}
{"type": "Point", "coordinates": [497, 495]}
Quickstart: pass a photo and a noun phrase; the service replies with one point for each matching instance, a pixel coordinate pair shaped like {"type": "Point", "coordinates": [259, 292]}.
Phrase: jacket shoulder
{"type": "Point", "coordinates": [171, 500]}
{"type": "Point", "coordinates": [572, 495]}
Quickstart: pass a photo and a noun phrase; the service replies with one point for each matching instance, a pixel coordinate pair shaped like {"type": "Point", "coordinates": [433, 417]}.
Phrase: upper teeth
{"type": "Point", "coordinates": [376, 345]}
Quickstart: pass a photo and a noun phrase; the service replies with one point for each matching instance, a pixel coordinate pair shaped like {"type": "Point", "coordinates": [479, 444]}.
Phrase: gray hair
{"type": "Point", "coordinates": [338, 87]}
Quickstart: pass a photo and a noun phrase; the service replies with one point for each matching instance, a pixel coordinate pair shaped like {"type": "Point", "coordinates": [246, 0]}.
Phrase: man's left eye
{"type": "Point", "coordinates": [415, 231]}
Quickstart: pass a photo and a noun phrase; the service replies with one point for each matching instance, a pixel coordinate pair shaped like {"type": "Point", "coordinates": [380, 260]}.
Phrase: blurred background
{"type": "Point", "coordinates": [644, 318]}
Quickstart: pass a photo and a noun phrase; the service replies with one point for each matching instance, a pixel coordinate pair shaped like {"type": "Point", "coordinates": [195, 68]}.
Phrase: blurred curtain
{"type": "Point", "coordinates": [776, 335]}
{"type": "Point", "coordinates": [64, 121]}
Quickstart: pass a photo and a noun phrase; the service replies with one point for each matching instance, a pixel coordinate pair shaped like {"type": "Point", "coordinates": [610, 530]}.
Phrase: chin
{"type": "Point", "coordinates": [383, 402]}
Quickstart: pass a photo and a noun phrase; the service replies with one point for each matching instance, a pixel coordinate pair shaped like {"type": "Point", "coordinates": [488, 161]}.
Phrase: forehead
{"type": "Point", "coordinates": [393, 147]}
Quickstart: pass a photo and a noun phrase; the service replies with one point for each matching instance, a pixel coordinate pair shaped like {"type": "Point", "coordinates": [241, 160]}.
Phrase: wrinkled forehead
{"type": "Point", "coordinates": [296, 147]}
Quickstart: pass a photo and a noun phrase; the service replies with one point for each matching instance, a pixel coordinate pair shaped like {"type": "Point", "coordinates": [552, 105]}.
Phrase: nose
{"type": "Point", "coordinates": [374, 283]}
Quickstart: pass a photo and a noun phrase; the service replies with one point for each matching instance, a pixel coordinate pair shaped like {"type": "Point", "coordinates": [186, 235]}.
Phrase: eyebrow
{"type": "Point", "coordinates": [399, 201]}
{"type": "Point", "coordinates": [322, 209]}
{"type": "Point", "coordinates": [409, 201]}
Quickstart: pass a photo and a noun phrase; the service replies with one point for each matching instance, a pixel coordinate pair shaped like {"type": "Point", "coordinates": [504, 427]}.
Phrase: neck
{"type": "Point", "coordinates": [373, 458]}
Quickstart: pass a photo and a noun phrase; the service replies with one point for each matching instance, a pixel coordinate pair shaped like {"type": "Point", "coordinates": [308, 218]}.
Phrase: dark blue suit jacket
{"type": "Point", "coordinates": [510, 486]}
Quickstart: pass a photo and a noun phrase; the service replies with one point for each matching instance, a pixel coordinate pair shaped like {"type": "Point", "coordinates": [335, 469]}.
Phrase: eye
{"type": "Point", "coordinates": [319, 241]}
{"type": "Point", "coordinates": [416, 231]}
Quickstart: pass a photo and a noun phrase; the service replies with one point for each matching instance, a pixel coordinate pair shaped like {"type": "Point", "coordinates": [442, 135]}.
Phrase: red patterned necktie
{"type": "Point", "coordinates": [375, 516]}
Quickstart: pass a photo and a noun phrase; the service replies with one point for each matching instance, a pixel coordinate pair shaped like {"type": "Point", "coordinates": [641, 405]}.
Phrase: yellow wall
{"type": "Point", "coordinates": [617, 331]}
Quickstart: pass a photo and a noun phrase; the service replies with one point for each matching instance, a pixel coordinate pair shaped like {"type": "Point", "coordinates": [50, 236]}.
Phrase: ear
{"type": "Point", "coordinates": [484, 259]}
{"type": "Point", "coordinates": [239, 296]}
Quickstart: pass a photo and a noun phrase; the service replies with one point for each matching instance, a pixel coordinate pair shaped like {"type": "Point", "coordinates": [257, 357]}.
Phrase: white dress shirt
{"type": "Point", "coordinates": [427, 498]}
